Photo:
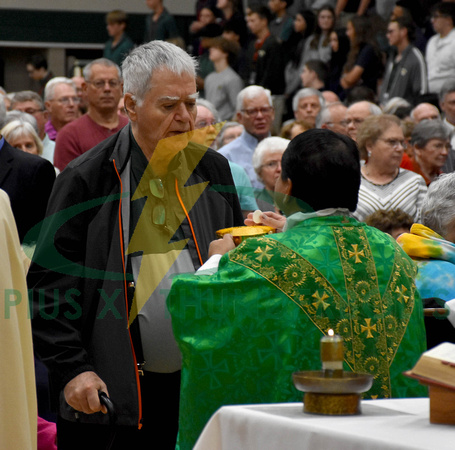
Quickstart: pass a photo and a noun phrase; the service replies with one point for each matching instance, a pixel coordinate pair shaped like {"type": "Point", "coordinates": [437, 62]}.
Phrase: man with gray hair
{"type": "Point", "coordinates": [61, 101]}
{"type": "Point", "coordinates": [123, 219]}
{"type": "Point", "coordinates": [306, 105]}
{"type": "Point", "coordinates": [103, 89]}
{"type": "Point", "coordinates": [333, 117]}
{"type": "Point", "coordinates": [255, 112]}
{"type": "Point", "coordinates": [357, 113]}
{"type": "Point", "coordinates": [31, 103]}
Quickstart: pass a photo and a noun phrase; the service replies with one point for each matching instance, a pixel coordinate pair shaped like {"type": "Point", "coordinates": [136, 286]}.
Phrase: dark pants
{"type": "Point", "coordinates": [160, 407]}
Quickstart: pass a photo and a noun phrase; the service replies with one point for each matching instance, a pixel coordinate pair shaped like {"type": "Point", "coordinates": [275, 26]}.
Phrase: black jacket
{"type": "Point", "coordinates": [28, 181]}
{"type": "Point", "coordinates": [79, 296]}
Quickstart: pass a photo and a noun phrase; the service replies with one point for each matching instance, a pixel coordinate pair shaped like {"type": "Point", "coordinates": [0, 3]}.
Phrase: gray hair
{"type": "Point", "coordinates": [220, 138]}
{"type": "Point", "coordinates": [393, 104]}
{"type": "Point", "coordinates": [304, 93]}
{"type": "Point", "coordinates": [447, 88]}
{"type": "Point", "coordinates": [142, 62]}
{"type": "Point", "coordinates": [438, 208]}
{"type": "Point", "coordinates": [268, 145]}
{"type": "Point", "coordinates": [87, 71]}
{"type": "Point", "coordinates": [19, 128]}
{"type": "Point", "coordinates": [251, 92]}
{"type": "Point", "coordinates": [324, 115]}
{"type": "Point", "coordinates": [427, 130]}
{"type": "Point", "coordinates": [12, 116]}
{"type": "Point", "coordinates": [49, 90]}
{"type": "Point", "coordinates": [27, 96]}
{"type": "Point", "coordinates": [210, 106]}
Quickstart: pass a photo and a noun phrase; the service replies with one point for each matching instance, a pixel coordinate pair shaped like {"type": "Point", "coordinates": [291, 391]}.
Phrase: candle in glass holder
{"type": "Point", "coordinates": [332, 353]}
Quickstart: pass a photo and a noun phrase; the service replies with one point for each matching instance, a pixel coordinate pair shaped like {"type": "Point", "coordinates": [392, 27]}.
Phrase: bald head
{"type": "Point", "coordinates": [425, 111]}
{"type": "Point", "coordinates": [357, 113]}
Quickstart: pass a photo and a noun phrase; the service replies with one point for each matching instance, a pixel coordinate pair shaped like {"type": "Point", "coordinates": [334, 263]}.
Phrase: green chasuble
{"type": "Point", "coordinates": [244, 330]}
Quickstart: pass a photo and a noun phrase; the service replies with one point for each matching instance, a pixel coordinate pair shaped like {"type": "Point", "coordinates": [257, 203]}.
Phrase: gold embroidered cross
{"type": "Point", "coordinates": [320, 300]}
{"type": "Point", "coordinates": [368, 328]}
{"type": "Point", "coordinates": [356, 253]}
{"type": "Point", "coordinates": [401, 295]}
{"type": "Point", "coordinates": [263, 253]}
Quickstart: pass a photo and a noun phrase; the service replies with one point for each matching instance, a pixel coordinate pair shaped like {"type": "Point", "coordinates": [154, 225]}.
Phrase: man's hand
{"type": "Point", "coordinates": [221, 246]}
{"type": "Point", "coordinates": [269, 219]}
{"type": "Point", "coordinates": [81, 393]}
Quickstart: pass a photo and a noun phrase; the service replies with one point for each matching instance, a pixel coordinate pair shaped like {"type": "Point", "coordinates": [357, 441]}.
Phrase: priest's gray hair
{"type": "Point", "coordinates": [251, 92]}
{"type": "Point", "coordinates": [438, 208]}
{"type": "Point", "coordinates": [142, 62]}
{"type": "Point", "coordinates": [272, 144]}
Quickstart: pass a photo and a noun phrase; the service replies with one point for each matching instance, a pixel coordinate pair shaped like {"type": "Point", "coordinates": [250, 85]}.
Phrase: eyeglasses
{"type": "Point", "coordinates": [68, 100]}
{"type": "Point", "coordinates": [356, 122]}
{"type": "Point", "coordinates": [253, 112]}
{"type": "Point", "coordinates": [204, 123]}
{"type": "Point", "coordinates": [158, 212]}
{"type": "Point", "coordinates": [271, 164]}
{"type": "Point", "coordinates": [99, 84]}
{"type": "Point", "coordinates": [343, 123]}
{"type": "Point", "coordinates": [33, 111]}
{"type": "Point", "coordinates": [394, 143]}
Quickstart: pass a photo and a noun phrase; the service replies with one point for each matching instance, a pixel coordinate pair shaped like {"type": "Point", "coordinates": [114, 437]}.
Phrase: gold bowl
{"type": "Point", "coordinates": [347, 383]}
{"type": "Point", "coordinates": [333, 396]}
{"type": "Point", "coordinates": [241, 233]}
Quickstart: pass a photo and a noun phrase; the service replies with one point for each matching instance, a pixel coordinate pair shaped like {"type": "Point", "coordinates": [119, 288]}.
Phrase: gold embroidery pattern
{"type": "Point", "coordinates": [365, 319]}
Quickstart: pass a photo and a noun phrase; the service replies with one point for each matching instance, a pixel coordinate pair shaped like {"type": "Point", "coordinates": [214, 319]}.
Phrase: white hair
{"type": "Point", "coordinates": [268, 145]}
{"type": "Point", "coordinates": [438, 208]}
{"type": "Point", "coordinates": [49, 90]}
{"type": "Point", "coordinates": [142, 62]}
{"type": "Point", "coordinates": [252, 92]}
{"type": "Point", "coordinates": [18, 128]}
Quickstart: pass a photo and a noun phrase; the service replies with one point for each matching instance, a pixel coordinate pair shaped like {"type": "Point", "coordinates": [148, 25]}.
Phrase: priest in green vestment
{"type": "Point", "coordinates": [245, 326]}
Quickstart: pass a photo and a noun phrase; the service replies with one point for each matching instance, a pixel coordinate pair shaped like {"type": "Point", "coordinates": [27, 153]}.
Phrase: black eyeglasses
{"type": "Point", "coordinates": [158, 212]}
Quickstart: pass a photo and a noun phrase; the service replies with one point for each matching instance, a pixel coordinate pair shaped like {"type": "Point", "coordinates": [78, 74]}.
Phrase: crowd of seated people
{"type": "Point", "coordinates": [268, 74]}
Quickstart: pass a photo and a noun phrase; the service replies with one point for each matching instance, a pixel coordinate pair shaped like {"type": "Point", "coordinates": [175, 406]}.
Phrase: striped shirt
{"type": "Point", "coordinates": [405, 192]}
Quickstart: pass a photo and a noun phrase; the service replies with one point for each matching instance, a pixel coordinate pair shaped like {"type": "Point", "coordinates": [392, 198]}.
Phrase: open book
{"type": "Point", "coordinates": [436, 365]}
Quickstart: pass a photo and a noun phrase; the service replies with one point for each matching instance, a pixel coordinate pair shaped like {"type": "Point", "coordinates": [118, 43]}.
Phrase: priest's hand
{"type": "Point", "coordinates": [221, 246]}
{"type": "Point", "coordinates": [268, 218]}
{"type": "Point", "coordinates": [81, 393]}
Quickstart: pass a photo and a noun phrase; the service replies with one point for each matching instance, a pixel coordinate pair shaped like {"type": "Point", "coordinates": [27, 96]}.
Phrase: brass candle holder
{"type": "Point", "coordinates": [332, 391]}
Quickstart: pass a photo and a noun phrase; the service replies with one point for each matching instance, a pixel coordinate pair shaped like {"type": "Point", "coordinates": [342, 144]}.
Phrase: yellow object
{"type": "Point", "coordinates": [241, 233]}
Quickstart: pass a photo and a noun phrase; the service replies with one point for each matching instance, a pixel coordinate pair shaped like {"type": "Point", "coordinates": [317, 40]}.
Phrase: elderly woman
{"type": "Point", "coordinates": [431, 243]}
{"type": "Point", "coordinates": [267, 165]}
{"type": "Point", "coordinates": [384, 184]}
{"type": "Point", "coordinates": [22, 135]}
{"type": "Point", "coordinates": [262, 311]}
{"type": "Point", "coordinates": [431, 144]}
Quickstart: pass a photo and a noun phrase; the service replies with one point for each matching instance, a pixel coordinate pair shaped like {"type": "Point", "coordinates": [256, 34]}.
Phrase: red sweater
{"type": "Point", "coordinates": [81, 135]}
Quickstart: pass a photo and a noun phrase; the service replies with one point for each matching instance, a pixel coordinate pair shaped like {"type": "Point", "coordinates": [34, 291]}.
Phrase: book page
{"type": "Point", "coordinates": [444, 352]}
